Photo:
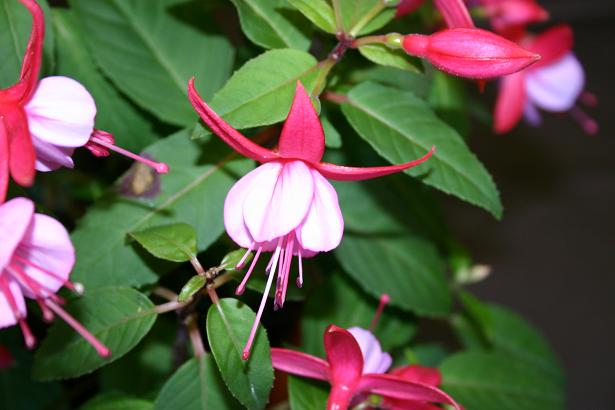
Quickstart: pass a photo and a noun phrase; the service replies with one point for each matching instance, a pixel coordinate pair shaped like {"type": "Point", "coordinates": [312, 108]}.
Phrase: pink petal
{"type": "Point", "coordinates": [510, 102]}
{"type": "Point", "coordinates": [455, 13]}
{"type": "Point", "coordinates": [50, 157]}
{"type": "Point", "coordinates": [233, 204]}
{"type": "Point", "coordinates": [556, 87]}
{"type": "Point", "coordinates": [4, 161]}
{"type": "Point", "coordinates": [345, 359]}
{"type": "Point", "coordinates": [323, 227]}
{"type": "Point", "coordinates": [343, 173]}
{"type": "Point", "coordinates": [47, 245]}
{"type": "Point", "coordinates": [299, 364]}
{"type": "Point", "coordinates": [419, 374]}
{"type": "Point", "coordinates": [552, 45]}
{"type": "Point", "coordinates": [61, 112]}
{"type": "Point", "coordinates": [277, 204]}
{"type": "Point", "coordinates": [228, 134]}
{"type": "Point", "coordinates": [532, 115]}
{"type": "Point", "coordinates": [7, 316]}
{"type": "Point", "coordinates": [15, 217]}
{"type": "Point", "coordinates": [374, 359]}
{"type": "Point", "coordinates": [302, 136]}
{"type": "Point", "coordinates": [397, 388]}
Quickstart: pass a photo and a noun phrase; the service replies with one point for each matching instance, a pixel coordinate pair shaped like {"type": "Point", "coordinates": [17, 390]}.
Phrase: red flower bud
{"type": "Point", "coordinates": [469, 52]}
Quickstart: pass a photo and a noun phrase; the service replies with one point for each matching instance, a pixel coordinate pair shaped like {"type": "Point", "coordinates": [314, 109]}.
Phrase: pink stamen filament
{"type": "Point", "coordinates": [589, 99]}
{"type": "Point", "coordinates": [300, 278]}
{"type": "Point", "coordinates": [274, 262]}
{"type": "Point", "coordinates": [589, 125]}
{"type": "Point", "coordinates": [101, 349]}
{"type": "Point", "coordinates": [160, 167]}
{"type": "Point", "coordinates": [28, 337]}
{"type": "Point", "coordinates": [34, 287]}
{"type": "Point", "coordinates": [75, 287]}
{"type": "Point", "coordinates": [244, 257]}
{"type": "Point", "coordinates": [384, 300]}
{"type": "Point", "coordinates": [47, 314]}
{"type": "Point", "coordinates": [242, 286]}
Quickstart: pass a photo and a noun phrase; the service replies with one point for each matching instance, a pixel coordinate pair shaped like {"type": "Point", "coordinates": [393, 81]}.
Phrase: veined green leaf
{"type": "Point", "coordinates": [272, 24]}
{"type": "Point", "coordinates": [150, 52]}
{"type": "Point", "coordinates": [318, 12]}
{"type": "Point", "coordinates": [381, 54]}
{"type": "Point", "coordinates": [401, 127]}
{"type": "Point", "coordinates": [173, 242]}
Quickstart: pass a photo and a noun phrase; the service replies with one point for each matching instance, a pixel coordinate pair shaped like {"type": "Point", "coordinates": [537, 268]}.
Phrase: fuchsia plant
{"type": "Point", "coordinates": [554, 84]}
{"type": "Point", "coordinates": [42, 122]}
{"type": "Point", "coordinates": [36, 259]}
{"type": "Point", "coordinates": [286, 206]}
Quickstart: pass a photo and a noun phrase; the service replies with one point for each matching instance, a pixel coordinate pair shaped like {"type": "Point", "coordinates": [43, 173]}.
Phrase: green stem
{"type": "Point", "coordinates": [325, 69]}
{"type": "Point", "coordinates": [369, 16]}
{"type": "Point", "coordinates": [195, 335]}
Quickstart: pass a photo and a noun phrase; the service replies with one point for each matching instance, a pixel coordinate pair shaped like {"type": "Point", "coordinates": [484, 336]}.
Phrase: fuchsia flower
{"type": "Point", "coordinates": [509, 17]}
{"type": "Point", "coordinates": [418, 374]}
{"type": "Point", "coordinates": [470, 52]}
{"type": "Point", "coordinates": [454, 12]}
{"type": "Point", "coordinates": [42, 122]}
{"type": "Point", "coordinates": [354, 367]}
{"type": "Point", "coordinates": [36, 258]}
{"type": "Point", "coordinates": [553, 84]}
{"type": "Point", "coordinates": [286, 206]}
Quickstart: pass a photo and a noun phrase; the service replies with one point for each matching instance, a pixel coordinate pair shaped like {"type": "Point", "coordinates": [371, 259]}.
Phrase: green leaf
{"type": "Point", "coordinates": [118, 317]}
{"type": "Point", "coordinates": [15, 27]}
{"type": "Point", "coordinates": [307, 394]}
{"type": "Point", "coordinates": [114, 401]}
{"type": "Point", "coordinates": [401, 127]}
{"type": "Point", "coordinates": [353, 11]}
{"type": "Point", "coordinates": [114, 113]}
{"type": "Point", "coordinates": [232, 259]}
{"type": "Point", "coordinates": [149, 50]}
{"type": "Point", "coordinates": [381, 54]}
{"type": "Point", "coordinates": [262, 90]}
{"type": "Point", "coordinates": [228, 328]}
{"type": "Point", "coordinates": [487, 381]}
{"type": "Point", "coordinates": [449, 99]}
{"type": "Point", "coordinates": [173, 242]}
{"type": "Point", "coordinates": [195, 284]}
{"type": "Point", "coordinates": [196, 385]}
{"type": "Point", "coordinates": [333, 139]}
{"type": "Point", "coordinates": [318, 12]}
{"type": "Point", "coordinates": [201, 175]}
{"type": "Point", "coordinates": [341, 302]}
{"type": "Point", "coordinates": [407, 268]}
{"type": "Point", "coordinates": [271, 24]}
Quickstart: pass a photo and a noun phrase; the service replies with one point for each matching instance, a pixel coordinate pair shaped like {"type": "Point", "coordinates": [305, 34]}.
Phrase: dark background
{"type": "Point", "coordinates": [553, 253]}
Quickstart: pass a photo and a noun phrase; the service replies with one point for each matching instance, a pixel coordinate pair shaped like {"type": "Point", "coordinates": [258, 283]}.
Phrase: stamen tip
{"type": "Point", "coordinates": [245, 355]}
{"type": "Point", "coordinates": [161, 168]}
{"type": "Point", "coordinates": [103, 352]}
{"type": "Point", "coordinates": [239, 291]}
{"type": "Point", "coordinates": [385, 299]}
{"type": "Point", "coordinates": [79, 288]}
{"type": "Point", "coordinates": [299, 283]}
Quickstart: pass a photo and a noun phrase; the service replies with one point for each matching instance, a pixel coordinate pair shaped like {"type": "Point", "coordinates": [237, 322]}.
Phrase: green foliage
{"type": "Point", "coordinates": [194, 285]}
{"type": "Point", "coordinates": [228, 327]}
{"type": "Point", "coordinates": [174, 242]}
{"type": "Point", "coordinates": [305, 394]}
{"type": "Point", "coordinates": [401, 128]}
{"type": "Point", "coordinates": [114, 401]}
{"type": "Point", "coordinates": [272, 24]}
{"type": "Point", "coordinates": [118, 317]}
{"type": "Point", "coordinates": [381, 54]}
{"type": "Point", "coordinates": [196, 385]}
{"type": "Point", "coordinates": [318, 11]}
{"type": "Point", "coordinates": [150, 53]}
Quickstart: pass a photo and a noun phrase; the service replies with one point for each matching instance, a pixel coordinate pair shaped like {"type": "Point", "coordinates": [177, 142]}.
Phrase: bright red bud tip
{"type": "Point", "coordinates": [470, 53]}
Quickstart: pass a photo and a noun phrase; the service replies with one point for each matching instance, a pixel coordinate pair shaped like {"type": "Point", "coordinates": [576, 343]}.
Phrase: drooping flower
{"type": "Point", "coordinates": [286, 206]}
{"type": "Point", "coordinates": [36, 258]}
{"type": "Point", "coordinates": [42, 122]}
{"type": "Point", "coordinates": [509, 17]}
{"type": "Point", "coordinates": [469, 52]}
{"type": "Point", "coordinates": [354, 367]}
{"type": "Point", "coordinates": [554, 84]}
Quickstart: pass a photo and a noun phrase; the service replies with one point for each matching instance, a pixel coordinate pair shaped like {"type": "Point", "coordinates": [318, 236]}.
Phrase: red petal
{"type": "Point", "coordinates": [302, 136]}
{"type": "Point", "coordinates": [228, 134]}
{"type": "Point", "coordinates": [4, 161]}
{"type": "Point", "coordinates": [394, 387]}
{"type": "Point", "coordinates": [30, 68]}
{"type": "Point", "coordinates": [346, 366]}
{"type": "Point", "coordinates": [553, 44]}
{"type": "Point", "coordinates": [342, 173]}
{"type": "Point", "coordinates": [21, 150]}
{"type": "Point", "coordinates": [419, 374]}
{"type": "Point", "coordinates": [455, 13]}
{"type": "Point", "coordinates": [300, 364]}
{"type": "Point", "coordinates": [510, 103]}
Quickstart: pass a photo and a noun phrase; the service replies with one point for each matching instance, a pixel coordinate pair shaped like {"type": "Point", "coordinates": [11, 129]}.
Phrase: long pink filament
{"type": "Point", "coordinates": [160, 167]}
{"type": "Point", "coordinates": [384, 300]}
{"type": "Point", "coordinates": [242, 286]}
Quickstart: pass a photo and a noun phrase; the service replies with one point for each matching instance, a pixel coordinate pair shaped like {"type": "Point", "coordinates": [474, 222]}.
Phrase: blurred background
{"type": "Point", "coordinates": [554, 250]}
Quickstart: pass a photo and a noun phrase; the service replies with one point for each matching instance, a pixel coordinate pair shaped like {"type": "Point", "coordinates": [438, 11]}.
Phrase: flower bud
{"type": "Point", "coordinates": [471, 53]}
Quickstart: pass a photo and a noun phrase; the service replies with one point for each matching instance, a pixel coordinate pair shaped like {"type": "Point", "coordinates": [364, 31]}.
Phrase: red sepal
{"type": "Point", "coordinates": [455, 13]}
{"type": "Point", "coordinates": [4, 161]}
{"type": "Point", "coordinates": [346, 366]}
{"type": "Point", "coordinates": [510, 103]}
{"type": "Point", "coordinates": [21, 150]}
{"type": "Point", "coordinates": [553, 44]}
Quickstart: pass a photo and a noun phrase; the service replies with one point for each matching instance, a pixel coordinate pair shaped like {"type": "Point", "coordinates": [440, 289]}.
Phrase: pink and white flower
{"type": "Point", "coordinates": [36, 258]}
{"type": "Point", "coordinates": [286, 206]}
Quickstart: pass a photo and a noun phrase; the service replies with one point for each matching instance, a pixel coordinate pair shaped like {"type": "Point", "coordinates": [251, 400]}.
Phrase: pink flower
{"type": "Point", "coordinates": [508, 16]}
{"type": "Point", "coordinates": [454, 12]}
{"type": "Point", "coordinates": [470, 52]}
{"type": "Point", "coordinates": [36, 259]}
{"type": "Point", "coordinates": [354, 368]}
{"type": "Point", "coordinates": [553, 84]}
{"type": "Point", "coordinates": [286, 206]}
{"type": "Point", "coordinates": [418, 374]}
{"type": "Point", "coordinates": [42, 122]}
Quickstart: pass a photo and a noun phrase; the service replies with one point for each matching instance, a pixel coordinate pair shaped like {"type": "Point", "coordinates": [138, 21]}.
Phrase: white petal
{"type": "Point", "coordinates": [557, 86]}
{"type": "Point", "coordinates": [61, 112]}
{"type": "Point", "coordinates": [50, 157]}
